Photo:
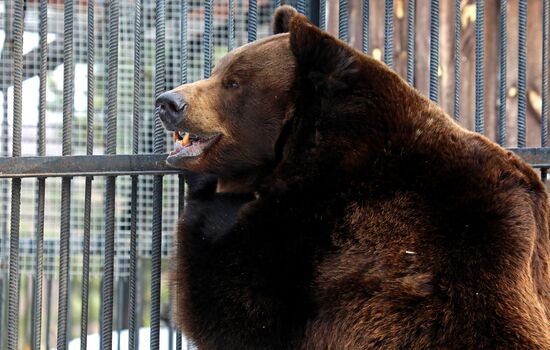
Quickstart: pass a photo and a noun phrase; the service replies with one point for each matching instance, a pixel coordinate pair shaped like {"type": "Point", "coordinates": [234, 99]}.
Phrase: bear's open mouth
{"type": "Point", "coordinates": [191, 145]}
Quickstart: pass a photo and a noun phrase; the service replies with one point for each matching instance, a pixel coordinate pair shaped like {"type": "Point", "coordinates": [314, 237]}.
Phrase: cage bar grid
{"type": "Point", "coordinates": [113, 144]}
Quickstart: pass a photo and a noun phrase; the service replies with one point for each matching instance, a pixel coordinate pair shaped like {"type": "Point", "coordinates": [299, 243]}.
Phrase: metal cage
{"type": "Point", "coordinates": [99, 143]}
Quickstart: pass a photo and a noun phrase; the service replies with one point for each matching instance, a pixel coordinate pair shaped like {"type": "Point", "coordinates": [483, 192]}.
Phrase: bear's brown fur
{"type": "Point", "coordinates": [346, 211]}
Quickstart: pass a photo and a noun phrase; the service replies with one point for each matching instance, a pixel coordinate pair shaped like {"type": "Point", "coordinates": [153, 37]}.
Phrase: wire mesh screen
{"type": "Point", "coordinates": [91, 23]}
{"type": "Point", "coordinates": [83, 257]}
{"type": "Point", "coordinates": [54, 103]}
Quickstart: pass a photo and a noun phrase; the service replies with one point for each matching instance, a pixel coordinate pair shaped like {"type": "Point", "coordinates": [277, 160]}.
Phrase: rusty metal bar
{"type": "Point", "coordinates": [522, 72]}
{"type": "Point", "coordinates": [159, 145]}
{"type": "Point", "coordinates": [148, 164]}
{"type": "Point", "coordinates": [13, 289]}
{"type": "Point", "coordinates": [97, 165]}
{"type": "Point", "coordinates": [536, 157]}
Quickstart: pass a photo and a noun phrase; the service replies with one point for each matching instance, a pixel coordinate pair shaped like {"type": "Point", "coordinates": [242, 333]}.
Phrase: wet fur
{"type": "Point", "coordinates": [381, 224]}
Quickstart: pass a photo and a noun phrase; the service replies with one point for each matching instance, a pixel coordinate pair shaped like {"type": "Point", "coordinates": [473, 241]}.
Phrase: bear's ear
{"type": "Point", "coordinates": [281, 19]}
{"type": "Point", "coordinates": [328, 63]}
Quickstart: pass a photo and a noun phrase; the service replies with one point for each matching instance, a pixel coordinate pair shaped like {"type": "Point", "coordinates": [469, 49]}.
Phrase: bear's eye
{"type": "Point", "coordinates": [231, 84]}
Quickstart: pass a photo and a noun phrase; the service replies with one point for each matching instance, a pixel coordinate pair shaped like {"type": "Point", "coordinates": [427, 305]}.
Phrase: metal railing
{"type": "Point", "coordinates": [135, 164]}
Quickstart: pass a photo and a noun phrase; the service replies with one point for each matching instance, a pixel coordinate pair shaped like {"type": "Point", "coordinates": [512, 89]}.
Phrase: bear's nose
{"type": "Point", "coordinates": [171, 107]}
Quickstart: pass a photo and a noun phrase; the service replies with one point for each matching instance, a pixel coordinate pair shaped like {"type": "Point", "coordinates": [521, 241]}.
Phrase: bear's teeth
{"type": "Point", "coordinates": [185, 140]}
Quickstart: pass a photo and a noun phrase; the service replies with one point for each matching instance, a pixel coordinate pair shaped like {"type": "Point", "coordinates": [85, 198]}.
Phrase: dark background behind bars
{"type": "Point", "coordinates": [88, 254]}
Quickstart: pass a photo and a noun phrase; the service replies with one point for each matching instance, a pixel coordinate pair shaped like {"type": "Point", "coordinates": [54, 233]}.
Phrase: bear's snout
{"type": "Point", "coordinates": [172, 107]}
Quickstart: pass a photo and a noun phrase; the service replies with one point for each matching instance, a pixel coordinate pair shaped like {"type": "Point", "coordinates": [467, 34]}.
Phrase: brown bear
{"type": "Point", "coordinates": [331, 206]}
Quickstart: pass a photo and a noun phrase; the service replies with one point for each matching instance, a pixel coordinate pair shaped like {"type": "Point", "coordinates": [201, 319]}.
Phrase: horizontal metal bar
{"type": "Point", "coordinates": [149, 164]}
{"type": "Point", "coordinates": [100, 165]}
{"type": "Point", "coordinates": [538, 157]}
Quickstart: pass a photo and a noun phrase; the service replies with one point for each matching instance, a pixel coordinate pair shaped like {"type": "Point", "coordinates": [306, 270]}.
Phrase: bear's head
{"type": "Point", "coordinates": [236, 123]}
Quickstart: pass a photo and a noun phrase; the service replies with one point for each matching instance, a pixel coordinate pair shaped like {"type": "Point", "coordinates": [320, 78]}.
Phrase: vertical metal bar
{"type": "Point", "coordinates": [108, 271]}
{"type": "Point", "coordinates": [86, 264]}
{"type": "Point", "coordinates": [365, 26]}
{"type": "Point", "coordinates": [207, 38]}
{"type": "Point", "coordinates": [343, 20]}
{"type": "Point", "coordinates": [230, 25]}
{"type": "Point", "coordinates": [38, 278]}
{"type": "Point", "coordinates": [156, 260]}
{"type": "Point", "coordinates": [183, 39]}
{"type": "Point", "coordinates": [43, 44]}
{"type": "Point", "coordinates": [132, 324]}
{"type": "Point", "coordinates": [13, 289]}
{"type": "Point", "coordinates": [101, 319]}
{"type": "Point", "coordinates": [544, 112]}
{"type": "Point", "coordinates": [88, 184]}
{"type": "Point", "coordinates": [480, 67]}
{"type": "Point", "coordinates": [388, 34]}
{"type": "Point", "coordinates": [18, 28]}
{"type": "Point", "coordinates": [300, 6]}
{"type": "Point", "coordinates": [522, 68]}
{"type": "Point", "coordinates": [314, 6]}
{"type": "Point", "coordinates": [183, 66]}
{"type": "Point", "coordinates": [64, 244]}
{"type": "Point", "coordinates": [252, 19]}
{"type": "Point", "coordinates": [64, 251]}
{"type": "Point", "coordinates": [90, 79]}
{"type": "Point", "coordinates": [136, 112]}
{"type": "Point", "coordinates": [544, 115]}
{"type": "Point", "coordinates": [13, 293]}
{"type": "Point", "coordinates": [411, 29]}
{"type": "Point", "coordinates": [158, 147]}
{"type": "Point", "coordinates": [503, 47]}
{"type": "Point", "coordinates": [113, 76]}
{"type": "Point", "coordinates": [458, 46]}
{"type": "Point", "coordinates": [323, 14]}
{"type": "Point", "coordinates": [41, 147]}
{"type": "Point", "coordinates": [5, 83]}
{"type": "Point", "coordinates": [434, 51]}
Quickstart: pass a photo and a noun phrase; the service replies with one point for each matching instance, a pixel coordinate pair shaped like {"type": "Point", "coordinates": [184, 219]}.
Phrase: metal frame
{"type": "Point", "coordinates": [112, 165]}
{"type": "Point", "coordinates": [93, 165]}
{"type": "Point", "coordinates": [150, 164]}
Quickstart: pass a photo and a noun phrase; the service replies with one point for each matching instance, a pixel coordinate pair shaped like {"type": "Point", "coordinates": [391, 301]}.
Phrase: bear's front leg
{"type": "Point", "coordinates": [241, 275]}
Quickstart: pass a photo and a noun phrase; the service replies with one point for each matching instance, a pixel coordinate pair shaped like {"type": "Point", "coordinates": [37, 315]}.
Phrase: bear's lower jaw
{"type": "Point", "coordinates": [193, 149]}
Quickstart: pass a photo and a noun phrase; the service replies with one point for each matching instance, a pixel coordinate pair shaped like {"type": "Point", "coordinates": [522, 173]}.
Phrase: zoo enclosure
{"type": "Point", "coordinates": [113, 146]}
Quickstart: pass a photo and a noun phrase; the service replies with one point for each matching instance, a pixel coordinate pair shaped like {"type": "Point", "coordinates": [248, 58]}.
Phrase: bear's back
{"type": "Point", "coordinates": [448, 248]}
